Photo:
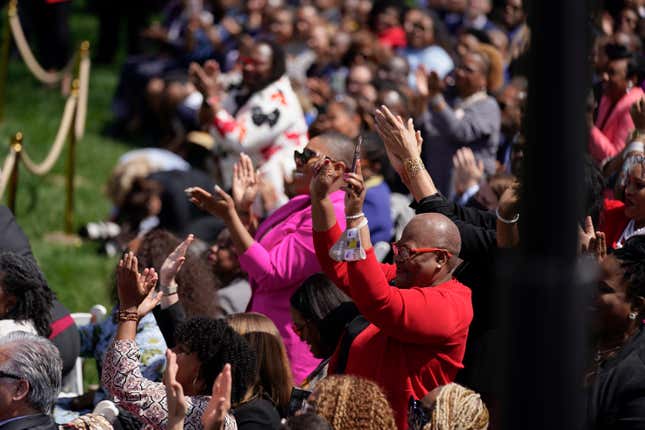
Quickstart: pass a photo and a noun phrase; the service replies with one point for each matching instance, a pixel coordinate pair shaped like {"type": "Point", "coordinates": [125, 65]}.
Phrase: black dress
{"type": "Point", "coordinates": [616, 397]}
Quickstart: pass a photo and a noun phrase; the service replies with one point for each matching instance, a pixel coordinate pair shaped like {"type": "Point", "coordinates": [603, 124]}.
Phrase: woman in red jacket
{"type": "Point", "coordinates": [418, 328]}
{"type": "Point", "coordinates": [622, 220]}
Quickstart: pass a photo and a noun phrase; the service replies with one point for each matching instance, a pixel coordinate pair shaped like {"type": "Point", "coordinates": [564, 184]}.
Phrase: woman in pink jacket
{"type": "Point", "coordinates": [281, 255]}
{"type": "Point", "coordinates": [614, 123]}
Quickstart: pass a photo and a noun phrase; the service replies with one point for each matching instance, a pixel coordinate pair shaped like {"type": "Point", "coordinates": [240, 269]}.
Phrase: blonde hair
{"type": "Point", "coordinates": [458, 408]}
{"type": "Point", "coordinates": [273, 373]}
{"type": "Point", "coordinates": [349, 403]}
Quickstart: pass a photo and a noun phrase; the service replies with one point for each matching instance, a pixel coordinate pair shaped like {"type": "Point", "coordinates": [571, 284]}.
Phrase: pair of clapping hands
{"type": "Point", "coordinates": [213, 417]}
{"type": "Point", "coordinates": [246, 185]}
{"type": "Point", "coordinates": [137, 291]}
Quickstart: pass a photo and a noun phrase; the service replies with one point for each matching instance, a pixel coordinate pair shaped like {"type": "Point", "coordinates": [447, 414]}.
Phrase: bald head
{"type": "Point", "coordinates": [433, 230]}
{"type": "Point", "coordinates": [336, 146]}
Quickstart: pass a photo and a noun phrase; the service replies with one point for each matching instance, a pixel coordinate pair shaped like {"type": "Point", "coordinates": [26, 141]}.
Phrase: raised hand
{"type": "Point", "coordinates": [172, 264]}
{"type": "Point", "coordinates": [354, 191]}
{"type": "Point", "coordinates": [468, 170]}
{"type": "Point", "coordinates": [421, 79]}
{"type": "Point", "coordinates": [586, 235]}
{"type": "Point", "coordinates": [205, 78]}
{"type": "Point", "coordinates": [435, 84]}
{"type": "Point", "coordinates": [637, 113]}
{"type": "Point", "coordinates": [598, 246]}
{"type": "Point", "coordinates": [133, 287]}
{"type": "Point", "coordinates": [325, 176]}
{"type": "Point", "coordinates": [401, 141]}
{"type": "Point", "coordinates": [214, 416]}
{"type": "Point", "coordinates": [246, 183]}
{"type": "Point", "coordinates": [177, 406]}
{"type": "Point", "coordinates": [219, 204]}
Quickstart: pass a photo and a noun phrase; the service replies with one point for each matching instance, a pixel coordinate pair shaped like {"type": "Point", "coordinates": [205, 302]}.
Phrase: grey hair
{"type": "Point", "coordinates": [38, 361]}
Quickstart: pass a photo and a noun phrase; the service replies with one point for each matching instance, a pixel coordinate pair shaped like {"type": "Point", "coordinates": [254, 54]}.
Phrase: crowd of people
{"type": "Point", "coordinates": [311, 240]}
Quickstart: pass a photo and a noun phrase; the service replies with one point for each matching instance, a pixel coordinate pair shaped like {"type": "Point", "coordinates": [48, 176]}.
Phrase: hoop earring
{"type": "Point", "coordinates": [632, 315]}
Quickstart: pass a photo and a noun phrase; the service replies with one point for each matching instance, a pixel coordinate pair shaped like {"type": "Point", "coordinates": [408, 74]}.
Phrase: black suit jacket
{"type": "Point", "coordinates": [616, 398]}
{"type": "Point", "coordinates": [33, 422]}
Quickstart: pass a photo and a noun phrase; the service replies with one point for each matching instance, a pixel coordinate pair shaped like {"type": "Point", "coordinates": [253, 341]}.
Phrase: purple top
{"type": "Point", "coordinates": [283, 256]}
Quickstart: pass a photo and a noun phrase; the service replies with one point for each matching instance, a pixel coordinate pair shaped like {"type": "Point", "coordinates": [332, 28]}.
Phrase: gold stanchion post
{"type": "Point", "coordinates": [71, 169]}
{"type": "Point", "coordinates": [4, 53]}
{"type": "Point", "coordinates": [15, 146]}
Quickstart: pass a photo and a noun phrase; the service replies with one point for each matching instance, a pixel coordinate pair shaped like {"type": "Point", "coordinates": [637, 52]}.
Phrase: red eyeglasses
{"type": "Point", "coordinates": [404, 253]}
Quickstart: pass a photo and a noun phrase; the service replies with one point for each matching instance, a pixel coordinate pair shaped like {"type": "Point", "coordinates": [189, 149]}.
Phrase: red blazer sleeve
{"type": "Point", "coordinates": [416, 315]}
{"type": "Point", "coordinates": [613, 221]}
{"type": "Point", "coordinates": [337, 270]}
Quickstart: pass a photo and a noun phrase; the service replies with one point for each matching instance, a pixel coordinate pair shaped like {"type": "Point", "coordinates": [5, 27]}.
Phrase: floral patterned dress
{"type": "Point", "coordinates": [142, 397]}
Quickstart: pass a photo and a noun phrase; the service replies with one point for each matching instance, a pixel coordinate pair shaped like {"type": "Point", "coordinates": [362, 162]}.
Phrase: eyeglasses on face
{"type": "Point", "coordinates": [403, 253]}
{"type": "Point", "coordinates": [417, 415]}
{"type": "Point", "coordinates": [304, 156]}
{"type": "Point", "coordinates": [4, 374]}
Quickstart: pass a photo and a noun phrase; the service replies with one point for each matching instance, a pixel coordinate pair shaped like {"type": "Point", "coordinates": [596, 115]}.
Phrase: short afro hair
{"type": "Point", "coordinates": [631, 258]}
{"type": "Point", "coordinates": [21, 278]}
{"type": "Point", "coordinates": [216, 344]}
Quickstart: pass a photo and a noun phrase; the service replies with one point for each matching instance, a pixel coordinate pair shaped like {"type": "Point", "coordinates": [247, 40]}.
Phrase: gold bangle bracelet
{"type": "Point", "coordinates": [413, 166]}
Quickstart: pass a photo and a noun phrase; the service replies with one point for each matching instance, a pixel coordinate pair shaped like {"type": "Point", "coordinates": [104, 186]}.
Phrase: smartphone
{"type": "Point", "coordinates": [298, 396]}
{"type": "Point", "coordinates": [357, 153]}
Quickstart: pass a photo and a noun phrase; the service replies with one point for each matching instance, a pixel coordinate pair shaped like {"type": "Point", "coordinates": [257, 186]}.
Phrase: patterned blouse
{"type": "Point", "coordinates": [142, 397]}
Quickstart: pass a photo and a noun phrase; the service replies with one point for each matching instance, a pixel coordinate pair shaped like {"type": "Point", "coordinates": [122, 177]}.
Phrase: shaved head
{"type": "Point", "coordinates": [336, 146]}
{"type": "Point", "coordinates": [433, 230]}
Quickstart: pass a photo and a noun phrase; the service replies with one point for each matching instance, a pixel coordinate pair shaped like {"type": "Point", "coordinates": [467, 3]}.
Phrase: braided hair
{"type": "Point", "coordinates": [21, 278]}
{"type": "Point", "coordinates": [216, 344]}
{"type": "Point", "coordinates": [458, 408]}
{"type": "Point", "coordinates": [631, 258]}
{"type": "Point", "coordinates": [348, 403]}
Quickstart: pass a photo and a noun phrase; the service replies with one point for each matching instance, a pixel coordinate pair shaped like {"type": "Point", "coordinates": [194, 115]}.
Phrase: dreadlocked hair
{"type": "Point", "coordinates": [349, 403]}
{"type": "Point", "coordinates": [632, 260]}
{"type": "Point", "coordinates": [458, 408]}
{"type": "Point", "coordinates": [216, 344]}
{"type": "Point", "coordinates": [21, 278]}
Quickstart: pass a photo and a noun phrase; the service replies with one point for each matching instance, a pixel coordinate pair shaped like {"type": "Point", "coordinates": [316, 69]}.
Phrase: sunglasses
{"type": "Point", "coordinates": [304, 156]}
{"type": "Point", "coordinates": [417, 415]}
{"type": "Point", "coordinates": [403, 253]}
{"type": "Point", "coordinates": [4, 374]}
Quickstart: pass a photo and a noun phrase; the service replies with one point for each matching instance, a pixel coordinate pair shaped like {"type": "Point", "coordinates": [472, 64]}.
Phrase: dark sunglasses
{"type": "Point", "coordinates": [417, 415]}
{"type": "Point", "coordinates": [305, 155]}
{"type": "Point", "coordinates": [4, 374]}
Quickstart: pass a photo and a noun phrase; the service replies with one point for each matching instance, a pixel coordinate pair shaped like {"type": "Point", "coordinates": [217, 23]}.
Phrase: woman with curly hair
{"type": "Point", "coordinates": [203, 347]}
{"type": "Point", "coordinates": [25, 298]}
{"type": "Point", "coordinates": [272, 388]}
{"type": "Point", "coordinates": [349, 403]}
{"type": "Point", "coordinates": [448, 407]}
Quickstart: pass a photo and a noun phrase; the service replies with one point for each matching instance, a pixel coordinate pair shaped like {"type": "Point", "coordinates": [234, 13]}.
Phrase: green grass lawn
{"type": "Point", "coordinates": [79, 275]}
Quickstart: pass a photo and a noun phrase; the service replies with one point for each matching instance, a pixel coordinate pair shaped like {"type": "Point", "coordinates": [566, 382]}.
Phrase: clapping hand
{"type": "Point", "coordinates": [637, 113]}
{"type": "Point", "coordinates": [205, 78]}
{"type": "Point", "coordinates": [591, 241]}
{"type": "Point", "coordinates": [177, 406]}
{"type": "Point", "coordinates": [325, 177]}
{"type": "Point", "coordinates": [468, 170]}
{"type": "Point", "coordinates": [172, 264]}
{"type": "Point", "coordinates": [401, 141]}
{"type": "Point", "coordinates": [354, 191]}
{"type": "Point", "coordinates": [219, 204]}
{"type": "Point", "coordinates": [246, 183]}
{"type": "Point", "coordinates": [214, 416]}
{"type": "Point", "coordinates": [136, 290]}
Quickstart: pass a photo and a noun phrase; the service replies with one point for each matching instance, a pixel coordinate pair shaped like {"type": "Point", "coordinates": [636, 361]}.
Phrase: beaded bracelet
{"type": "Point", "coordinates": [128, 316]}
{"type": "Point", "coordinates": [357, 216]}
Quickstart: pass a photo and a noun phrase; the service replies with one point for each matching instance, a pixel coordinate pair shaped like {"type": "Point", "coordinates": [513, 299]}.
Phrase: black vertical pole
{"type": "Point", "coordinates": [545, 319]}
